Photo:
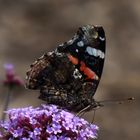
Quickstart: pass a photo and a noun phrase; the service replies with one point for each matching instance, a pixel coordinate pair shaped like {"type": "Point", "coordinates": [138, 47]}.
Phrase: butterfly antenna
{"type": "Point", "coordinates": [116, 101]}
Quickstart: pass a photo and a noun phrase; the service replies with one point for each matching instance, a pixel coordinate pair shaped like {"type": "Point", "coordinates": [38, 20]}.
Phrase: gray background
{"type": "Point", "coordinates": [28, 28]}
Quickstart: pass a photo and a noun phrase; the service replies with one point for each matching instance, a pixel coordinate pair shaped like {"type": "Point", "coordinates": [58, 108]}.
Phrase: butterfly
{"type": "Point", "coordinates": [69, 75]}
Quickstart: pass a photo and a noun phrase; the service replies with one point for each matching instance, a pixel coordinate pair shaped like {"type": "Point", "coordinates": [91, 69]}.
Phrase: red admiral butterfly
{"type": "Point", "coordinates": [69, 75]}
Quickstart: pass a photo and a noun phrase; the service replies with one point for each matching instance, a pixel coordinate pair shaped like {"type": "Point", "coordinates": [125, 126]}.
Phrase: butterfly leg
{"type": "Point", "coordinates": [80, 113]}
{"type": "Point", "coordinates": [94, 111]}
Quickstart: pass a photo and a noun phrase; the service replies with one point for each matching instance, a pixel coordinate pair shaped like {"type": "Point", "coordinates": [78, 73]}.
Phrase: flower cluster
{"type": "Point", "coordinates": [11, 78]}
{"type": "Point", "coordinates": [46, 123]}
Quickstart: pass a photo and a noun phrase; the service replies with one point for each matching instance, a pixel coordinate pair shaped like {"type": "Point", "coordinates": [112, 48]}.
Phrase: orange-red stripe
{"type": "Point", "coordinates": [87, 71]}
{"type": "Point", "coordinates": [73, 59]}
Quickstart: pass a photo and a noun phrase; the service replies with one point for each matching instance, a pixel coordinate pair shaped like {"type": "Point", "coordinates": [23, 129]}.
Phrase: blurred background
{"type": "Point", "coordinates": [28, 28]}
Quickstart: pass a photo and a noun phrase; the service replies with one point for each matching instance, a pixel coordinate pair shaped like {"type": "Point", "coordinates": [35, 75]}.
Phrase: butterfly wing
{"type": "Point", "coordinates": [86, 50]}
{"type": "Point", "coordinates": [69, 75]}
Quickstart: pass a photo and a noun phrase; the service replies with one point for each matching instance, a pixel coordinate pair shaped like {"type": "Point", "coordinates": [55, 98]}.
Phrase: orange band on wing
{"type": "Point", "coordinates": [74, 60]}
{"type": "Point", "coordinates": [87, 71]}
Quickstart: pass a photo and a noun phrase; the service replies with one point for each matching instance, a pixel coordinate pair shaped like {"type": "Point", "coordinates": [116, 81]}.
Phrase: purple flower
{"type": "Point", "coordinates": [11, 78]}
{"type": "Point", "coordinates": [46, 122]}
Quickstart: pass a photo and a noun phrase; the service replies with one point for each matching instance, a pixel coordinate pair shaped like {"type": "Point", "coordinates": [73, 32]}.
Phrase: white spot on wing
{"type": "Point", "coordinates": [70, 42]}
{"type": "Point", "coordinates": [50, 53]}
{"type": "Point", "coordinates": [101, 54]}
{"type": "Point", "coordinates": [57, 53]}
{"type": "Point", "coordinates": [77, 74]}
{"type": "Point", "coordinates": [80, 43]}
{"type": "Point", "coordinates": [95, 52]}
{"type": "Point", "coordinates": [92, 51]}
{"type": "Point", "coordinates": [101, 38]}
{"type": "Point", "coordinates": [61, 44]}
{"type": "Point", "coordinates": [77, 50]}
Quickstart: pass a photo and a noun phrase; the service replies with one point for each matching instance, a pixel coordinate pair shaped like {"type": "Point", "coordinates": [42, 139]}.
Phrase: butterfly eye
{"type": "Point", "coordinates": [95, 35]}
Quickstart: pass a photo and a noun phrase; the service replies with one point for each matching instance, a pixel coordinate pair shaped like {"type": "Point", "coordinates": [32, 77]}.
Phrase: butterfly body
{"type": "Point", "coordinates": [69, 75]}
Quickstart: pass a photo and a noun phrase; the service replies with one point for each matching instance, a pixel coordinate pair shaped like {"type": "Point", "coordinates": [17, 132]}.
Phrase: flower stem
{"type": "Point", "coordinates": [6, 105]}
